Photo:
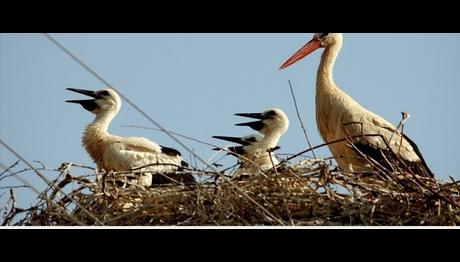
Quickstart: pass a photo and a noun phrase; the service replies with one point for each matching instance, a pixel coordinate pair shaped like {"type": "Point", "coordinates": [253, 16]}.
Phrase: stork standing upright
{"type": "Point", "coordinates": [339, 116]}
{"type": "Point", "coordinates": [115, 153]}
{"type": "Point", "coordinates": [255, 152]}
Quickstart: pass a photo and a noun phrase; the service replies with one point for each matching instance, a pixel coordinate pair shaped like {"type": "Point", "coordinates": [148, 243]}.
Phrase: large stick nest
{"type": "Point", "coordinates": [311, 192]}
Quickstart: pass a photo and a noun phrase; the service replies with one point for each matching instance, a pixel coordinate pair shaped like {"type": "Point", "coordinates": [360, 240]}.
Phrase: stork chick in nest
{"type": "Point", "coordinates": [256, 151]}
{"type": "Point", "coordinates": [115, 153]}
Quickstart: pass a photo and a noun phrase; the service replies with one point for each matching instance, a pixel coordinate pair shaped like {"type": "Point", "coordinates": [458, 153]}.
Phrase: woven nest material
{"type": "Point", "coordinates": [304, 194]}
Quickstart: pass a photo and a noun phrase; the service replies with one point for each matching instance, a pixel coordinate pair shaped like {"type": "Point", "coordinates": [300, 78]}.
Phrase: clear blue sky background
{"type": "Point", "coordinates": [194, 83]}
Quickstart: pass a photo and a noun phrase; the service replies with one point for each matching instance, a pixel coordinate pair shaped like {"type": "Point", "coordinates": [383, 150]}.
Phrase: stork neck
{"type": "Point", "coordinates": [96, 136]}
{"type": "Point", "coordinates": [273, 137]}
{"type": "Point", "coordinates": [326, 67]}
{"type": "Point", "coordinates": [102, 121]}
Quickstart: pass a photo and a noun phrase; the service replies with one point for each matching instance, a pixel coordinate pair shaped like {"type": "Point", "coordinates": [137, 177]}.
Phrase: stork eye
{"type": "Point", "coordinates": [270, 114]}
{"type": "Point", "coordinates": [104, 93]}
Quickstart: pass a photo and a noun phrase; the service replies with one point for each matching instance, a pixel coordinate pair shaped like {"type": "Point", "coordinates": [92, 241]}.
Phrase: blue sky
{"type": "Point", "coordinates": [194, 83]}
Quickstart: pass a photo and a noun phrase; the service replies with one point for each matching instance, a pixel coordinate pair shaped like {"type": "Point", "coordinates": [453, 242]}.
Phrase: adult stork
{"type": "Point", "coordinates": [256, 151]}
{"type": "Point", "coordinates": [115, 153]}
{"type": "Point", "coordinates": [339, 116]}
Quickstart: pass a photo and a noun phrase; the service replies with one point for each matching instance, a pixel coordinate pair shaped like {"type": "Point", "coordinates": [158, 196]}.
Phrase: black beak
{"type": "Point", "coordinates": [256, 125]}
{"type": "Point", "coordinates": [86, 92]}
{"type": "Point", "coordinates": [88, 104]}
{"type": "Point", "coordinates": [251, 115]}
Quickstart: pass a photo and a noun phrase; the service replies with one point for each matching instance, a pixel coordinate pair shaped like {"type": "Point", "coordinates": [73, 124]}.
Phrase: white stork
{"type": "Point", "coordinates": [256, 151]}
{"type": "Point", "coordinates": [339, 116]}
{"type": "Point", "coordinates": [115, 153]}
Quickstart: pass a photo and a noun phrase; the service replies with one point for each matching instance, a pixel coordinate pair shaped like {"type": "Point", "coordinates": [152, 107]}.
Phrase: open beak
{"type": "Point", "coordinates": [251, 115]}
{"type": "Point", "coordinates": [307, 49]}
{"type": "Point", "coordinates": [88, 104]}
{"type": "Point", "coordinates": [85, 92]}
{"type": "Point", "coordinates": [256, 125]}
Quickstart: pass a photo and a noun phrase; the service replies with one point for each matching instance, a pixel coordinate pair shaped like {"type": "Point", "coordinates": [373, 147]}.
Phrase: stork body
{"type": "Point", "coordinates": [256, 151]}
{"type": "Point", "coordinates": [339, 116]}
{"type": "Point", "coordinates": [115, 153]}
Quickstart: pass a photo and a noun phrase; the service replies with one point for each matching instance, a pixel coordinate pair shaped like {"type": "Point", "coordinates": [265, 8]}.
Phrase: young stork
{"type": "Point", "coordinates": [339, 116]}
{"type": "Point", "coordinates": [255, 152]}
{"type": "Point", "coordinates": [115, 153]}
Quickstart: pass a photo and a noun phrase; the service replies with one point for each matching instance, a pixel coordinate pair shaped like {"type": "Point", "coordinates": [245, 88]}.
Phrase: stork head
{"type": "Point", "coordinates": [319, 40]}
{"type": "Point", "coordinates": [272, 120]}
{"type": "Point", "coordinates": [103, 102]}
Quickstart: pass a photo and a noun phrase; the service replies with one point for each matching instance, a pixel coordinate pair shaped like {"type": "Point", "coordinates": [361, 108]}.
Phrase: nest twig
{"type": "Point", "coordinates": [310, 192]}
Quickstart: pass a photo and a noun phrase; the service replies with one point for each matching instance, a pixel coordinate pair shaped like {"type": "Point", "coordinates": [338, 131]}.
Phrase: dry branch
{"type": "Point", "coordinates": [310, 192]}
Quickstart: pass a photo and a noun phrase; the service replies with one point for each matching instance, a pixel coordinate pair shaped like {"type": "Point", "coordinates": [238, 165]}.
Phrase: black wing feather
{"type": "Point", "coordinates": [377, 154]}
{"type": "Point", "coordinates": [170, 151]}
{"type": "Point", "coordinates": [384, 156]}
{"type": "Point", "coordinates": [237, 150]}
{"type": "Point", "coordinates": [238, 140]}
{"type": "Point", "coordinates": [420, 167]}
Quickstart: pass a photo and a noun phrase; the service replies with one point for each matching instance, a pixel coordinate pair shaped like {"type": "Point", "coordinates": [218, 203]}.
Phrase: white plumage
{"type": "Point", "coordinates": [115, 153]}
{"type": "Point", "coordinates": [339, 116]}
{"type": "Point", "coordinates": [256, 151]}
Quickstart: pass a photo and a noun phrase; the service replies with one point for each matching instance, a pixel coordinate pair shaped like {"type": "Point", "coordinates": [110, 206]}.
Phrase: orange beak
{"type": "Point", "coordinates": [307, 49]}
